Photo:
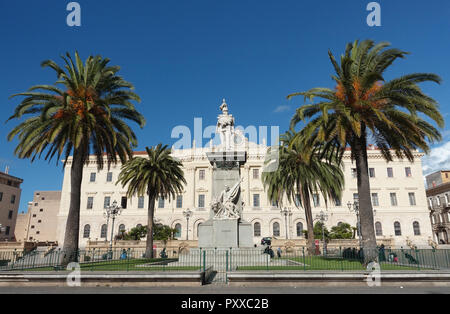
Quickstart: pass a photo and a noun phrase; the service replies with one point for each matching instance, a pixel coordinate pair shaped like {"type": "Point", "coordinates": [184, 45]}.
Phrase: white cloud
{"type": "Point", "coordinates": [282, 108]}
{"type": "Point", "coordinates": [437, 159]}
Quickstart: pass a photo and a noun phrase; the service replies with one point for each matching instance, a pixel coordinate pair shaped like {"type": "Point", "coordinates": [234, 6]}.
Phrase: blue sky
{"type": "Point", "coordinates": [185, 56]}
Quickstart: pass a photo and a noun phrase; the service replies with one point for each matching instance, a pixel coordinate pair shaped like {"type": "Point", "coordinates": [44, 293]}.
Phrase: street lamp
{"type": "Point", "coordinates": [323, 217]}
{"type": "Point", "coordinates": [112, 211]}
{"type": "Point", "coordinates": [287, 211]}
{"type": "Point", "coordinates": [355, 207]}
{"type": "Point", "coordinates": [187, 214]}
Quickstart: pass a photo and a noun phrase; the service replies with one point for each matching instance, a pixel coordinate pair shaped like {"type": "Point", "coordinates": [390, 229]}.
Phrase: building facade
{"type": "Point", "coordinates": [439, 206]}
{"type": "Point", "coordinates": [40, 222]}
{"type": "Point", "coordinates": [397, 188]}
{"type": "Point", "coordinates": [10, 192]}
{"type": "Point", "coordinates": [437, 178]}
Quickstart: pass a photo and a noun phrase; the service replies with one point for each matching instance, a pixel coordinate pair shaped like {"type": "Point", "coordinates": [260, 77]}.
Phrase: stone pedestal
{"type": "Point", "coordinates": [225, 233]}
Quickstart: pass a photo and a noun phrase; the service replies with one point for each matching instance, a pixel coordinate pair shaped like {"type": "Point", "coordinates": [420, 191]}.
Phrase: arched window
{"type": "Point", "coordinates": [256, 229]}
{"type": "Point", "coordinates": [86, 231]}
{"type": "Point", "coordinates": [178, 231]}
{"type": "Point", "coordinates": [138, 225]}
{"type": "Point", "coordinates": [103, 231]}
{"type": "Point", "coordinates": [378, 229]}
{"type": "Point", "coordinates": [397, 229]}
{"type": "Point", "coordinates": [416, 227]}
{"type": "Point", "coordinates": [121, 228]}
{"type": "Point", "coordinates": [276, 229]}
{"type": "Point", "coordinates": [339, 223]}
{"type": "Point", "coordinates": [299, 227]}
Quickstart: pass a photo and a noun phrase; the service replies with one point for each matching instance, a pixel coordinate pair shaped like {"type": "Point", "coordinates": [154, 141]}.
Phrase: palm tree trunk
{"type": "Point", "coordinates": [72, 234]}
{"type": "Point", "coordinates": [151, 214]}
{"type": "Point", "coordinates": [368, 239]}
{"type": "Point", "coordinates": [309, 221]}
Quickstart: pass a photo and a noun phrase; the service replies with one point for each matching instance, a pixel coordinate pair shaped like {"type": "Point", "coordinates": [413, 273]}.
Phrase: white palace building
{"type": "Point", "coordinates": [397, 189]}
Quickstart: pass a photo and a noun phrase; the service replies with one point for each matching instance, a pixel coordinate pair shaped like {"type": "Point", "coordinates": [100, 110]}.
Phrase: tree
{"type": "Point", "coordinates": [365, 106]}
{"type": "Point", "coordinates": [318, 231]}
{"type": "Point", "coordinates": [163, 232]}
{"type": "Point", "coordinates": [158, 175]}
{"type": "Point", "coordinates": [85, 116]}
{"type": "Point", "coordinates": [303, 171]}
{"type": "Point", "coordinates": [135, 233]}
{"type": "Point", "coordinates": [341, 231]}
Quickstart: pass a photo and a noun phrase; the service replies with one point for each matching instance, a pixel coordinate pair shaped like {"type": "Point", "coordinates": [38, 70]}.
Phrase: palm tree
{"type": "Point", "coordinates": [85, 116]}
{"type": "Point", "coordinates": [365, 106]}
{"type": "Point", "coordinates": [158, 175]}
{"type": "Point", "coordinates": [303, 171]}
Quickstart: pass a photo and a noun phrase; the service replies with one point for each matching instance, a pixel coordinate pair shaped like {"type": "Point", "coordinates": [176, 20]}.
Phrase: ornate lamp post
{"type": "Point", "coordinates": [111, 212]}
{"type": "Point", "coordinates": [322, 216]}
{"type": "Point", "coordinates": [355, 208]}
{"type": "Point", "coordinates": [287, 211]}
{"type": "Point", "coordinates": [187, 214]}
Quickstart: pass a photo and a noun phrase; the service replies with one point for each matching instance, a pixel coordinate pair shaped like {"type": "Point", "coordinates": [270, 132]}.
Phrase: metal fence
{"type": "Point", "coordinates": [96, 260]}
{"type": "Point", "coordinates": [226, 260]}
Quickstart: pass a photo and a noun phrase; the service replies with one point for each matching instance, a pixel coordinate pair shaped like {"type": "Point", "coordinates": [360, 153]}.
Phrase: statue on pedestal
{"type": "Point", "coordinates": [225, 206]}
{"type": "Point", "coordinates": [225, 127]}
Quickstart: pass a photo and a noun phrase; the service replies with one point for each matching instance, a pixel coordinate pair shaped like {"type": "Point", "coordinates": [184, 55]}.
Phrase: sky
{"type": "Point", "coordinates": [184, 57]}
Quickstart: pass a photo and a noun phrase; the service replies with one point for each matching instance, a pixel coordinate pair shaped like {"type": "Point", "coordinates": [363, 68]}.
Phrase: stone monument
{"type": "Point", "coordinates": [225, 227]}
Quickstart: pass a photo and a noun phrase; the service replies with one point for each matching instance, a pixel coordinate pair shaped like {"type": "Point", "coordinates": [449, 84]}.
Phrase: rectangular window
{"type": "Point", "coordinates": [316, 200]}
{"type": "Point", "coordinates": [201, 200]}
{"type": "Point", "coordinates": [1, 196]}
{"type": "Point", "coordinates": [355, 197]}
{"type": "Point", "coordinates": [412, 199]}
{"type": "Point", "coordinates": [393, 199]}
{"type": "Point", "coordinates": [140, 202]}
{"type": "Point", "coordinates": [13, 199]}
{"type": "Point", "coordinates": [372, 172]}
{"type": "Point", "coordinates": [298, 202]}
{"type": "Point", "coordinates": [337, 202]}
{"type": "Point", "coordinates": [354, 173]}
{"type": "Point", "coordinates": [201, 174]}
{"type": "Point", "coordinates": [256, 173]}
{"type": "Point", "coordinates": [90, 202]}
{"type": "Point", "coordinates": [408, 171]}
{"type": "Point", "coordinates": [107, 201]}
{"type": "Point", "coordinates": [375, 199]}
{"type": "Point", "coordinates": [93, 176]}
{"type": "Point", "coordinates": [123, 202]}
{"type": "Point", "coordinates": [179, 201]}
{"type": "Point", "coordinates": [10, 214]}
{"type": "Point", "coordinates": [109, 177]}
{"type": "Point", "coordinates": [8, 228]}
{"type": "Point", "coordinates": [390, 172]}
{"type": "Point", "coordinates": [256, 200]}
{"type": "Point", "coordinates": [161, 202]}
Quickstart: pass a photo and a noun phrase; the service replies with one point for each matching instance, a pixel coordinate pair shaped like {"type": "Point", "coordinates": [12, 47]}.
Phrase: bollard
{"type": "Point", "coordinates": [304, 262]}
{"type": "Point", "coordinates": [204, 260]}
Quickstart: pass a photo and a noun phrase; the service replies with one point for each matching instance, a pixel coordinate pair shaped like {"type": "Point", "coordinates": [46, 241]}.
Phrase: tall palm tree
{"type": "Point", "coordinates": [302, 172]}
{"type": "Point", "coordinates": [84, 113]}
{"type": "Point", "coordinates": [158, 175]}
{"type": "Point", "coordinates": [365, 106]}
